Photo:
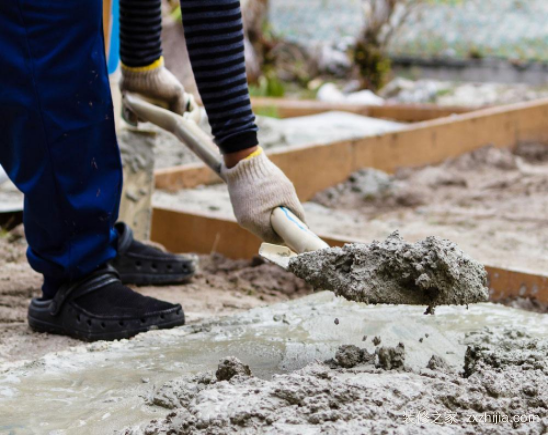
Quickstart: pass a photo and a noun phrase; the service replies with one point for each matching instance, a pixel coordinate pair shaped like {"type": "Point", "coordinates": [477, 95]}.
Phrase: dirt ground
{"type": "Point", "coordinates": [221, 287]}
{"type": "Point", "coordinates": [492, 202]}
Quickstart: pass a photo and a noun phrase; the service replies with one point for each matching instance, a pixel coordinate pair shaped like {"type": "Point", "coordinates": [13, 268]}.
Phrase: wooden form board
{"type": "Point", "coordinates": [107, 25]}
{"type": "Point", "coordinates": [287, 108]}
{"type": "Point", "coordinates": [313, 168]}
{"type": "Point", "coordinates": [204, 233]}
{"type": "Point", "coordinates": [505, 282]}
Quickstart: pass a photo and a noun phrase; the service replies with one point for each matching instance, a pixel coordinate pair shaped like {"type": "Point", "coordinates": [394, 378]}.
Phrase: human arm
{"type": "Point", "coordinates": [215, 42]}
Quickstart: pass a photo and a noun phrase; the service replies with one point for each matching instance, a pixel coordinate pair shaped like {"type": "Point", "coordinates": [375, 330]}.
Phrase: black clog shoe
{"type": "Point", "coordinates": [100, 307]}
{"type": "Point", "coordinates": [142, 264]}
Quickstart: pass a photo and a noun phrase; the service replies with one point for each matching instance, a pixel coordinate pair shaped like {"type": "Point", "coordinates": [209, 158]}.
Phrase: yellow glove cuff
{"type": "Point", "coordinates": [256, 153]}
{"type": "Point", "coordinates": [156, 64]}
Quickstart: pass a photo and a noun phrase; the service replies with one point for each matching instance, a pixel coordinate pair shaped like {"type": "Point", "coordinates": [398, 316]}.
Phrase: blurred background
{"type": "Point", "coordinates": [449, 52]}
{"type": "Point", "coordinates": [459, 53]}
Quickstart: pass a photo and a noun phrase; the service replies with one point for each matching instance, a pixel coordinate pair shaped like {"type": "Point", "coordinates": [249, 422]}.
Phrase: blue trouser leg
{"type": "Point", "coordinates": [57, 140]}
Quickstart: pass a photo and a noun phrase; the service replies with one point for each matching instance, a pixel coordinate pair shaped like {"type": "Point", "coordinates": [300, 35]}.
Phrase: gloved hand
{"type": "Point", "coordinates": [157, 83]}
{"type": "Point", "coordinates": [256, 187]}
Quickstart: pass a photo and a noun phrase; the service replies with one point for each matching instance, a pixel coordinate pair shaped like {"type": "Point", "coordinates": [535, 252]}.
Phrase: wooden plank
{"type": "Point", "coordinates": [288, 108]}
{"type": "Point", "coordinates": [505, 282]}
{"type": "Point", "coordinates": [416, 112]}
{"type": "Point", "coordinates": [313, 168]}
{"type": "Point", "coordinates": [204, 233]}
{"type": "Point", "coordinates": [184, 177]}
{"type": "Point", "coordinates": [107, 25]}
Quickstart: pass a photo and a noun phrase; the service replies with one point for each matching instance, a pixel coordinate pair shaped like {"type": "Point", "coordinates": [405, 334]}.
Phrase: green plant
{"type": "Point", "coordinates": [383, 18]}
{"type": "Point", "coordinates": [475, 53]}
{"type": "Point", "coordinates": [268, 85]}
{"type": "Point", "coordinates": [373, 65]}
{"type": "Point", "coordinates": [268, 111]}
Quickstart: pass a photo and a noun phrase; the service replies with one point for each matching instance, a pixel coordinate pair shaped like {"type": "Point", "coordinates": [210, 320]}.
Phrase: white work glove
{"type": "Point", "coordinates": [256, 187]}
{"type": "Point", "coordinates": [156, 83]}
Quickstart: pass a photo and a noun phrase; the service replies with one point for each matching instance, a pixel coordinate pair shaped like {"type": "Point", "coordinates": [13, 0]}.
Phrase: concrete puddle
{"type": "Point", "coordinates": [102, 387]}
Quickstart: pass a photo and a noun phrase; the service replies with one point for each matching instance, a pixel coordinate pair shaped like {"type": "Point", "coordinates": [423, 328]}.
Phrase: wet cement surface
{"type": "Point", "coordinates": [431, 272]}
{"type": "Point", "coordinates": [378, 398]}
{"type": "Point", "coordinates": [107, 386]}
{"type": "Point", "coordinates": [281, 133]}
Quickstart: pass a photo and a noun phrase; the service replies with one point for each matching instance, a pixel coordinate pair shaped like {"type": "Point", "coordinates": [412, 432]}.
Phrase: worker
{"type": "Point", "coordinates": [59, 147]}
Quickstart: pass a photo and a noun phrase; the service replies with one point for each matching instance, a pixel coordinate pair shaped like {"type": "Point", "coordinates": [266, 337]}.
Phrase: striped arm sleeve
{"type": "Point", "coordinates": [140, 29]}
{"type": "Point", "coordinates": [215, 42]}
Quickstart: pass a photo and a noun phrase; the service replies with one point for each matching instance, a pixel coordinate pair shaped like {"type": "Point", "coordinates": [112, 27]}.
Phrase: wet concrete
{"type": "Point", "coordinates": [430, 272]}
{"type": "Point", "coordinates": [281, 133]}
{"type": "Point", "coordinates": [107, 386]}
{"type": "Point", "coordinates": [317, 399]}
{"type": "Point", "coordinates": [349, 356]}
{"type": "Point", "coordinates": [230, 367]}
{"type": "Point", "coordinates": [389, 358]}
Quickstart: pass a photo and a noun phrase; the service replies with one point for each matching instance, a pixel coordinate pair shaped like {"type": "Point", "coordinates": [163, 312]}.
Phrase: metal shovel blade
{"type": "Point", "coordinates": [277, 254]}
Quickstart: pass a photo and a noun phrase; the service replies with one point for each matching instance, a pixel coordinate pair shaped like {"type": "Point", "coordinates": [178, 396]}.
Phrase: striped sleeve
{"type": "Point", "coordinates": [140, 28]}
{"type": "Point", "coordinates": [215, 42]}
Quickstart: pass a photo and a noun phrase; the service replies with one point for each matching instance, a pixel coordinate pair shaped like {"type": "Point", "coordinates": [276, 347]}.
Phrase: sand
{"type": "Point", "coordinates": [492, 202]}
{"type": "Point", "coordinates": [431, 272]}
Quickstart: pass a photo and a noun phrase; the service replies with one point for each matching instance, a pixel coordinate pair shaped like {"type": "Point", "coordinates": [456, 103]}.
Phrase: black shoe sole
{"type": "Point", "coordinates": [143, 279]}
{"type": "Point", "coordinates": [60, 324]}
{"type": "Point", "coordinates": [41, 326]}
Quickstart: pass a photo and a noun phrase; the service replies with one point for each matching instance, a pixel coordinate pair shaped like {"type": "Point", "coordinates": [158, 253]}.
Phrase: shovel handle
{"type": "Point", "coordinates": [288, 226]}
{"type": "Point", "coordinates": [183, 127]}
{"type": "Point", "coordinates": [295, 233]}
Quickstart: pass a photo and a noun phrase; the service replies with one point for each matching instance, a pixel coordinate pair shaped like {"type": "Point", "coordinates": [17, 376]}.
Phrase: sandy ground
{"type": "Point", "coordinates": [222, 287]}
{"type": "Point", "coordinates": [492, 202]}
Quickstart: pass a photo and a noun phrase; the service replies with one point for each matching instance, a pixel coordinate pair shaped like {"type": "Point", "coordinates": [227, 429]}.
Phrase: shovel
{"type": "Point", "coordinates": [297, 237]}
